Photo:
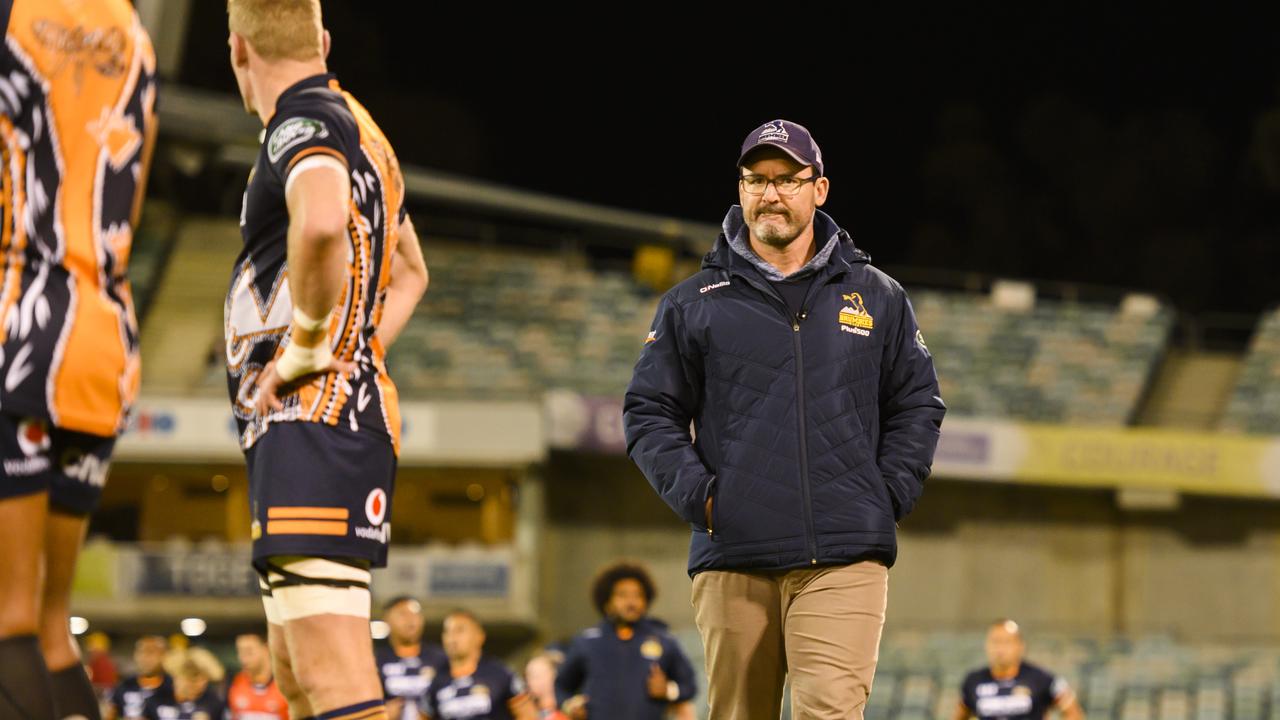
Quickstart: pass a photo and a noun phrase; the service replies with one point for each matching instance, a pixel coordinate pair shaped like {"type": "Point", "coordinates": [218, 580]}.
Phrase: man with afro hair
{"type": "Point", "coordinates": [629, 667]}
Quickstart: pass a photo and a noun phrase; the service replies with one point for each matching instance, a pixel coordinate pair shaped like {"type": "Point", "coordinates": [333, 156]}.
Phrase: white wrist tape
{"type": "Point", "coordinates": [308, 323]}
{"type": "Point", "coordinates": [298, 360]}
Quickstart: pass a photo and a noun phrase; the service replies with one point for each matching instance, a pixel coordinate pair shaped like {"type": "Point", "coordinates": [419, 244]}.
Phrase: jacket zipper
{"type": "Point", "coordinates": [811, 541]}
{"type": "Point", "coordinates": [810, 538]}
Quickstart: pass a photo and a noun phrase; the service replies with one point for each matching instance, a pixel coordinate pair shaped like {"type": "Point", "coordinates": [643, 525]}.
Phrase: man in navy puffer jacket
{"type": "Point", "coordinates": [628, 667]}
{"type": "Point", "coordinates": [815, 411]}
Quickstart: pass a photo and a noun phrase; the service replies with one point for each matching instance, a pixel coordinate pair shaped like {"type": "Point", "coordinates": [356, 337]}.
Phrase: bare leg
{"type": "Point", "coordinates": [73, 694]}
{"type": "Point", "coordinates": [22, 527]}
{"type": "Point", "coordinates": [25, 690]}
{"type": "Point", "coordinates": [332, 660]}
{"type": "Point", "coordinates": [63, 537]}
{"type": "Point", "coordinates": [283, 669]}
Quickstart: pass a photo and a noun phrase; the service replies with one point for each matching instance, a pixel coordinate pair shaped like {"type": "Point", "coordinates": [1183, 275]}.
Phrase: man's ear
{"type": "Point", "coordinates": [239, 50]}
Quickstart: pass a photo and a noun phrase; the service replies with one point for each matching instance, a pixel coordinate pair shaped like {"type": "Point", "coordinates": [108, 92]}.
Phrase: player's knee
{"type": "Point", "coordinates": [286, 681]}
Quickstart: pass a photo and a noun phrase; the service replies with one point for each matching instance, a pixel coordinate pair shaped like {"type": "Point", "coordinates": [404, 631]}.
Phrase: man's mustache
{"type": "Point", "coordinates": [780, 210]}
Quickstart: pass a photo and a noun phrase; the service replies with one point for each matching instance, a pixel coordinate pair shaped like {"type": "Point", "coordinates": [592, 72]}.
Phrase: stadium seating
{"type": "Point", "coordinates": [511, 323]}
{"type": "Point", "coordinates": [1150, 678]}
{"type": "Point", "coordinates": [1255, 404]}
{"type": "Point", "coordinates": [507, 323]}
{"type": "Point", "coordinates": [1056, 362]}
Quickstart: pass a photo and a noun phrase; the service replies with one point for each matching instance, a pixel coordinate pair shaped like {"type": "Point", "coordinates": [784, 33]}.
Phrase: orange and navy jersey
{"type": "Point", "coordinates": [316, 121]}
{"type": "Point", "coordinates": [77, 122]}
{"type": "Point", "coordinates": [248, 700]}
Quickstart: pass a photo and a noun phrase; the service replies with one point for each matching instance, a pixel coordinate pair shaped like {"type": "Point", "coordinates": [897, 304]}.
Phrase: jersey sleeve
{"type": "Point", "coordinates": [117, 700]}
{"type": "Point", "coordinates": [968, 693]}
{"type": "Point", "coordinates": [678, 669]}
{"type": "Point", "coordinates": [427, 702]}
{"type": "Point", "coordinates": [304, 134]}
{"type": "Point", "coordinates": [1059, 689]}
{"type": "Point", "coordinates": [515, 685]}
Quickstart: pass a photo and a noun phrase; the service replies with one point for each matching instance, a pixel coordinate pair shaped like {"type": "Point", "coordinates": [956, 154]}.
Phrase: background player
{"type": "Point", "coordinates": [406, 664]}
{"type": "Point", "coordinates": [1010, 688]}
{"type": "Point", "coordinates": [129, 697]}
{"type": "Point", "coordinates": [472, 686]}
{"type": "Point", "coordinates": [253, 694]}
{"type": "Point", "coordinates": [628, 666]}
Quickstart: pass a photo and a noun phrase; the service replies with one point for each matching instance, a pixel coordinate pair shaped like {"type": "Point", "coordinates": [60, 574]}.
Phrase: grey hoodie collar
{"type": "Point", "coordinates": [735, 232]}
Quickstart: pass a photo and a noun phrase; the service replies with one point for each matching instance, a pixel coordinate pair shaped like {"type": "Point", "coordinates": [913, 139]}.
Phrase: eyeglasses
{"type": "Point", "coordinates": [787, 185]}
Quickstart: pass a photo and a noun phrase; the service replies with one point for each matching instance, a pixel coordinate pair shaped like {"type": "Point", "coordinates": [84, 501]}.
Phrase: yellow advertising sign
{"type": "Point", "coordinates": [1146, 458]}
{"type": "Point", "coordinates": [1209, 463]}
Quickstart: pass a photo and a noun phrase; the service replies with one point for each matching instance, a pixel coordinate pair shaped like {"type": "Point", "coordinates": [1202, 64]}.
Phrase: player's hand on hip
{"type": "Point", "coordinates": [271, 382]}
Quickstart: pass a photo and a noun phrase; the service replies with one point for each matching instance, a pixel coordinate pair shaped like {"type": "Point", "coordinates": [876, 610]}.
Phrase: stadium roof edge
{"type": "Point", "coordinates": [218, 118]}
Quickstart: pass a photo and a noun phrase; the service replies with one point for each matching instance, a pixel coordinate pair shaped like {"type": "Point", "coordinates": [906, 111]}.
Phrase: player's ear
{"type": "Point", "coordinates": [325, 40]}
{"type": "Point", "coordinates": [239, 50]}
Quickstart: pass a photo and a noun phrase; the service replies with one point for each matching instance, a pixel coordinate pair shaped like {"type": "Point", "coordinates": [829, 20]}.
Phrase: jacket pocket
{"type": "Point", "coordinates": [713, 522]}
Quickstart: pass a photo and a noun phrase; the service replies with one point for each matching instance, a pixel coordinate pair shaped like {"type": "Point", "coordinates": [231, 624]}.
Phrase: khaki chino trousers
{"type": "Point", "coordinates": [821, 626]}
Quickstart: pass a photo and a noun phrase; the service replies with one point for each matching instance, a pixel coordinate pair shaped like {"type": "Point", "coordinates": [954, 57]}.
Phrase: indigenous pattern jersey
{"type": "Point", "coordinates": [77, 122]}
{"type": "Point", "coordinates": [316, 122]}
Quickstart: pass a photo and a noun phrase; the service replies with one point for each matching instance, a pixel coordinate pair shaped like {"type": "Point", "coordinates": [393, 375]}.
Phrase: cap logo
{"type": "Point", "coordinates": [774, 131]}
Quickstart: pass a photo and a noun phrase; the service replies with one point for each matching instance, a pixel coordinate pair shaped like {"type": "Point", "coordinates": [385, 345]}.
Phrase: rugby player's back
{"type": "Point", "coordinates": [316, 122]}
{"type": "Point", "coordinates": [77, 122]}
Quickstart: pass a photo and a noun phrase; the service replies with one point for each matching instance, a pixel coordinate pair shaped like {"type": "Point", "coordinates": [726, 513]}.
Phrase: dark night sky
{"type": "Point", "coordinates": [1056, 144]}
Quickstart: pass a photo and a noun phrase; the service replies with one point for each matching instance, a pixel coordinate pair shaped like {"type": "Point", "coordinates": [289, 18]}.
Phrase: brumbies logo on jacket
{"type": "Point", "coordinates": [854, 317]}
{"type": "Point", "coordinates": [651, 649]}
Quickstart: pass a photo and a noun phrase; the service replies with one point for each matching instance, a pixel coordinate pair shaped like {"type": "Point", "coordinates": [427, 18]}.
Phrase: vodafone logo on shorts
{"type": "Point", "coordinates": [32, 437]}
{"type": "Point", "coordinates": [33, 441]}
{"type": "Point", "coordinates": [375, 507]}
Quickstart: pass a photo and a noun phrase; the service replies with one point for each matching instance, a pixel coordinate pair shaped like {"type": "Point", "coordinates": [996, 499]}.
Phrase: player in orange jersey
{"type": "Point", "coordinates": [77, 123]}
{"type": "Point", "coordinates": [253, 694]}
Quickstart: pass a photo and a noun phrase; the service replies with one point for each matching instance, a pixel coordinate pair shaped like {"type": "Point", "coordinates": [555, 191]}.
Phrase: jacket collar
{"type": "Point", "coordinates": [732, 250]}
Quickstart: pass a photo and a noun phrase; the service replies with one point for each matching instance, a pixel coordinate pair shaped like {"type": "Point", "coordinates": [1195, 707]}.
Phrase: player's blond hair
{"type": "Point", "coordinates": [279, 29]}
{"type": "Point", "coordinates": [194, 661]}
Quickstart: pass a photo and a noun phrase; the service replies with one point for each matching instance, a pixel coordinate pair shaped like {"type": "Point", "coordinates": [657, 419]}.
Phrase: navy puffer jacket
{"type": "Point", "coordinates": [814, 432]}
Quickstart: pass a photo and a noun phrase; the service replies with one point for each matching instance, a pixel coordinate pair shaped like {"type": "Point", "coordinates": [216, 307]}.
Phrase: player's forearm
{"type": "Point", "coordinates": [317, 266]}
{"type": "Point", "coordinates": [405, 290]}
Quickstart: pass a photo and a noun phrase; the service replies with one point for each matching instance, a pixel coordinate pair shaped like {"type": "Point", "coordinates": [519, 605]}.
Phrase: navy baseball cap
{"type": "Point", "coordinates": [789, 137]}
